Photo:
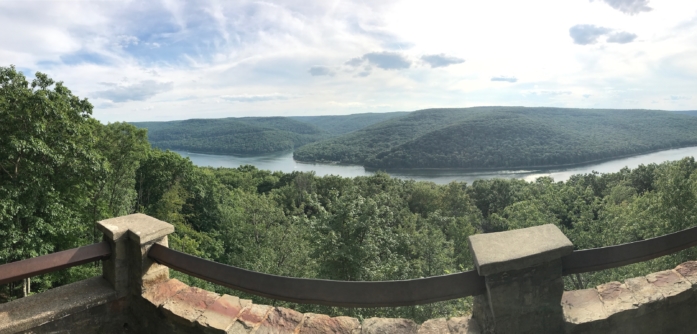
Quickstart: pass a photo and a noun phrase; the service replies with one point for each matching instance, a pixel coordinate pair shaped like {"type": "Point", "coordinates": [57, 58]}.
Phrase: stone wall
{"type": "Point", "coordinates": [662, 302]}
{"type": "Point", "coordinates": [522, 270]}
{"type": "Point", "coordinates": [178, 308]}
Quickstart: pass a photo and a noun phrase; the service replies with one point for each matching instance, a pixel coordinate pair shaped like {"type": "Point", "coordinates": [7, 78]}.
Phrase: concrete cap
{"type": "Point", "coordinates": [143, 227]}
{"type": "Point", "coordinates": [518, 249]}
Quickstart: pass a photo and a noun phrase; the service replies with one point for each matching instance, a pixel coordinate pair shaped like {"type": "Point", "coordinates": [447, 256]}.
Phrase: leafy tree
{"type": "Point", "coordinates": [47, 157]}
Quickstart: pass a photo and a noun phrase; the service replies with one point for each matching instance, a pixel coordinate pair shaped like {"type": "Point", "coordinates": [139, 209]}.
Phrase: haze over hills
{"type": "Point", "coordinates": [505, 137]}
{"type": "Point", "coordinates": [254, 135]}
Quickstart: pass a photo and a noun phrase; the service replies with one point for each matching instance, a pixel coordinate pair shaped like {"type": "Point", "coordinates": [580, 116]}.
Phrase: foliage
{"type": "Point", "coordinates": [505, 137]}
{"type": "Point", "coordinates": [61, 171]}
{"type": "Point", "coordinates": [253, 135]}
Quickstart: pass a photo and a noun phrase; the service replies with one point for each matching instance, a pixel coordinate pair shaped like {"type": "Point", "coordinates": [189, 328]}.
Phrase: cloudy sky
{"type": "Point", "coordinates": [171, 59]}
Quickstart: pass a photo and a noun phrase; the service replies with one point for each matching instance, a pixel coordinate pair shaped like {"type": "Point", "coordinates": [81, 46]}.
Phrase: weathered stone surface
{"type": "Point", "coordinates": [221, 315]}
{"type": "Point", "coordinates": [463, 325]}
{"type": "Point", "coordinates": [671, 285]}
{"type": "Point", "coordinates": [434, 326]}
{"type": "Point", "coordinates": [524, 301]}
{"type": "Point", "coordinates": [581, 306]}
{"type": "Point", "coordinates": [320, 323]}
{"type": "Point", "coordinates": [688, 270]}
{"type": "Point", "coordinates": [616, 298]}
{"type": "Point", "coordinates": [250, 318]}
{"type": "Point", "coordinates": [187, 305]}
{"type": "Point", "coordinates": [160, 293]}
{"type": "Point", "coordinates": [517, 249]}
{"type": "Point", "coordinates": [388, 326]}
{"type": "Point", "coordinates": [29, 312]}
{"type": "Point", "coordinates": [280, 321]}
{"type": "Point", "coordinates": [646, 296]}
{"type": "Point", "coordinates": [144, 228]}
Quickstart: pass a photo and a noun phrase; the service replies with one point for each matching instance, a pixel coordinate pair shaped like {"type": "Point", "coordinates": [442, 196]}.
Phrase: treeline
{"type": "Point", "coordinates": [505, 137]}
{"type": "Point", "coordinates": [253, 135]}
{"type": "Point", "coordinates": [62, 171]}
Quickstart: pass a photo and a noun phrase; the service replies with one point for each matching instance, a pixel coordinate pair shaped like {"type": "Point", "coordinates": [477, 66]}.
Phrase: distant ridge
{"type": "Point", "coordinates": [254, 135]}
{"type": "Point", "coordinates": [505, 137]}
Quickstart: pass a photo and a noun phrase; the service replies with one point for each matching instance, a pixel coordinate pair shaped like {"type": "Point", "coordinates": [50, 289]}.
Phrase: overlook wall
{"type": "Point", "coordinates": [524, 294]}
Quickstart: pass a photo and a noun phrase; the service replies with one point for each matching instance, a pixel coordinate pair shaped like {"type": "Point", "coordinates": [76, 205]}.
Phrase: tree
{"type": "Point", "coordinates": [47, 159]}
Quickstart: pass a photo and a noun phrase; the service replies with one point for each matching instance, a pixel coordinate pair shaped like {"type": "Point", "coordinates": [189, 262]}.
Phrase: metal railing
{"type": "Point", "coordinates": [15, 271]}
{"type": "Point", "coordinates": [324, 292]}
{"type": "Point", "coordinates": [405, 292]}
{"type": "Point", "coordinates": [350, 293]}
{"type": "Point", "coordinates": [595, 259]}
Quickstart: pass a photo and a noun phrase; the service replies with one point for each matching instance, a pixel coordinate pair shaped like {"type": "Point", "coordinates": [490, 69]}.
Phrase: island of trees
{"type": "Point", "coordinates": [61, 171]}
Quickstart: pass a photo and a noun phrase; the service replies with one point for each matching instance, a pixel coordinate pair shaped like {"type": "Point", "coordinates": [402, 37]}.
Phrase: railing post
{"type": "Point", "coordinates": [523, 274]}
{"type": "Point", "coordinates": [129, 269]}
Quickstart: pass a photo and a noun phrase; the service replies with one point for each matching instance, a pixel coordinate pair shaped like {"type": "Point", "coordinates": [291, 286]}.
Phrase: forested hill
{"type": "Point", "coordinates": [687, 112]}
{"type": "Point", "coordinates": [505, 137]}
{"type": "Point", "coordinates": [254, 135]}
{"type": "Point", "coordinates": [232, 135]}
{"type": "Point", "coordinates": [341, 124]}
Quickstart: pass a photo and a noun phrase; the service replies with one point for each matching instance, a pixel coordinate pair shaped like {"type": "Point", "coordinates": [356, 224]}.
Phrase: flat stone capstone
{"type": "Point", "coordinates": [518, 249]}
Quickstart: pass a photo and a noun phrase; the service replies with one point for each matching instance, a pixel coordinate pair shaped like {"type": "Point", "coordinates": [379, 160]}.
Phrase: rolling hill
{"type": "Point", "coordinates": [254, 135]}
{"type": "Point", "coordinates": [505, 137]}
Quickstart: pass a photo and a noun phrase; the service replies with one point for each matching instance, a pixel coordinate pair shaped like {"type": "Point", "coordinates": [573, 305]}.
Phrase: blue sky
{"type": "Point", "coordinates": [166, 60]}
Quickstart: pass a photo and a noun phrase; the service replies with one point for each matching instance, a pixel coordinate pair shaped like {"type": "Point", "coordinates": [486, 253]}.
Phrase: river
{"type": "Point", "coordinates": [285, 163]}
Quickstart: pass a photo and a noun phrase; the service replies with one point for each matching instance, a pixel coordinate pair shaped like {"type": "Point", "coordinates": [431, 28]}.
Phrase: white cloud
{"type": "Point", "coordinates": [359, 55]}
{"type": "Point", "coordinates": [140, 91]}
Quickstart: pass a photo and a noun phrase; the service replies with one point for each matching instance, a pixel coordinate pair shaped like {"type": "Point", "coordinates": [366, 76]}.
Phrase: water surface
{"type": "Point", "coordinates": [284, 162]}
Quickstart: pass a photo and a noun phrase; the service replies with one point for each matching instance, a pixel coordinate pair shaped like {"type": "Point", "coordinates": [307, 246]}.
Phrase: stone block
{"type": "Point", "coordinates": [388, 326]}
{"type": "Point", "coordinates": [160, 293]}
{"type": "Point", "coordinates": [280, 321]}
{"type": "Point", "coordinates": [582, 306]}
{"type": "Point", "coordinates": [688, 270]}
{"type": "Point", "coordinates": [320, 323]}
{"type": "Point", "coordinates": [518, 249]}
{"type": "Point", "coordinates": [188, 304]}
{"type": "Point", "coordinates": [617, 299]}
{"type": "Point", "coordinates": [463, 325]}
{"type": "Point", "coordinates": [646, 296]}
{"type": "Point", "coordinates": [250, 318]}
{"type": "Point", "coordinates": [434, 326]}
{"type": "Point", "coordinates": [221, 315]}
{"type": "Point", "coordinates": [671, 285]}
{"type": "Point", "coordinates": [143, 227]}
{"type": "Point", "coordinates": [52, 305]}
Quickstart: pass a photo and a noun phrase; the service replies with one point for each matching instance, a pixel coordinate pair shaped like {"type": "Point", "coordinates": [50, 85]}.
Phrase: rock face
{"type": "Point", "coordinates": [187, 309]}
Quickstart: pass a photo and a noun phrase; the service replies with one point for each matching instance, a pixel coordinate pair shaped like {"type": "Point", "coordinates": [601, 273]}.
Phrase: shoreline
{"type": "Point", "coordinates": [501, 169]}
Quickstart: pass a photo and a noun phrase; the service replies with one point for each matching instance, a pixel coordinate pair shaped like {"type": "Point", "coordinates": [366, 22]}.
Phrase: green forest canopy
{"type": "Point", "coordinates": [505, 137]}
{"type": "Point", "coordinates": [62, 171]}
{"type": "Point", "coordinates": [254, 135]}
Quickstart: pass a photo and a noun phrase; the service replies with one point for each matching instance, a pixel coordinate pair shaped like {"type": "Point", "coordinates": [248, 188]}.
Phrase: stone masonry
{"type": "Point", "coordinates": [521, 269]}
{"type": "Point", "coordinates": [184, 309]}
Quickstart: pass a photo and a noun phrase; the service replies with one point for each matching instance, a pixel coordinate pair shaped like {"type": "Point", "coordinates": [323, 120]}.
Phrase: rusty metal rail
{"type": "Point", "coordinates": [621, 255]}
{"type": "Point", "coordinates": [406, 292]}
{"type": "Point", "coordinates": [15, 271]}
{"type": "Point", "coordinates": [324, 292]}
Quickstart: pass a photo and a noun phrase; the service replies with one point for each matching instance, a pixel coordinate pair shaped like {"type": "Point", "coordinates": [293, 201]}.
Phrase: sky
{"type": "Point", "coordinates": [170, 59]}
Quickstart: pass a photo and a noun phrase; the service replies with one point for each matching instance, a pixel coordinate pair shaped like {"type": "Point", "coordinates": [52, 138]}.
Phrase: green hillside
{"type": "Point", "coordinates": [255, 135]}
{"type": "Point", "coordinates": [687, 112]}
{"type": "Point", "coordinates": [341, 124]}
{"type": "Point", "coordinates": [251, 135]}
{"type": "Point", "coordinates": [505, 137]}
